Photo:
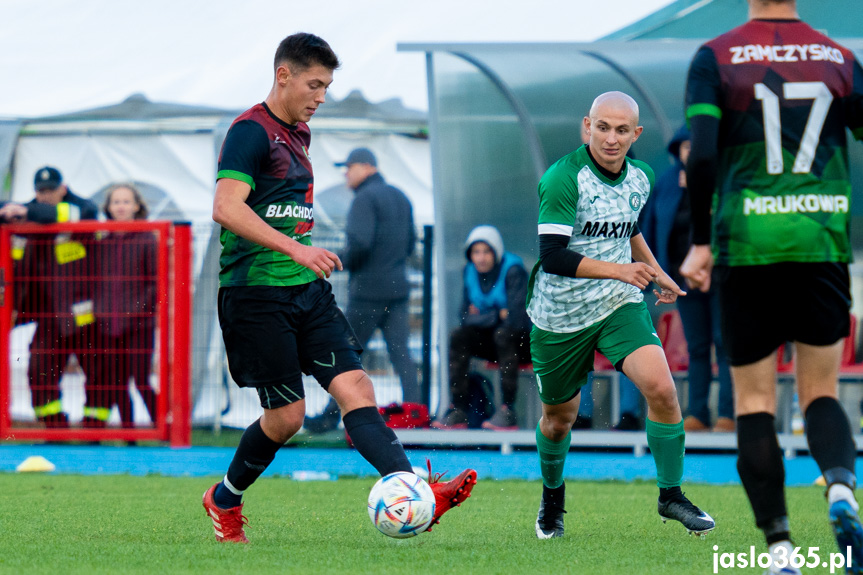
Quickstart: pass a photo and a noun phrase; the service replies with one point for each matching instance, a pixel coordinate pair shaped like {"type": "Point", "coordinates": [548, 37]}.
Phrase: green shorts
{"type": "Point", "coordinates": [562, 361]}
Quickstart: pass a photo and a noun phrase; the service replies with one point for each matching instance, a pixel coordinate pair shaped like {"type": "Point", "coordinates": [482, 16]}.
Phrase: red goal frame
{"type": "Point", "coordinates": [173, 316]}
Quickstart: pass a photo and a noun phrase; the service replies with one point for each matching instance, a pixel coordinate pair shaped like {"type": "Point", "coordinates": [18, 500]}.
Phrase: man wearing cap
{"type": "Point", "coordinates": [380, 238]}
{"type": "Point", "coordinates": [62, 310]}
{"type": "Point", "coordinates": [54, 202]}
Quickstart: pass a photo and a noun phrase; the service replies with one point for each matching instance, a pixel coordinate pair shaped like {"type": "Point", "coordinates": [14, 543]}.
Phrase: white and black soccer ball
{"type": "Point", "coordinates": [401, 504]}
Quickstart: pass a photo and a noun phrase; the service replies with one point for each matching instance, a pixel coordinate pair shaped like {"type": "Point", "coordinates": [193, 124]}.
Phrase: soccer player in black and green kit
{"type": "Point", "coordinates": [278, 315]}
{"type": "Point", "coordinates": [768, 104]}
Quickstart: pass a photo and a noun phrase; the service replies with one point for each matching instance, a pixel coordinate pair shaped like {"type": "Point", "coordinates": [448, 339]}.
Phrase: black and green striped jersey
{"type": "Point", "coordinates": [783, 95]}
{"type": "Point", "coordinates": [272, 157]}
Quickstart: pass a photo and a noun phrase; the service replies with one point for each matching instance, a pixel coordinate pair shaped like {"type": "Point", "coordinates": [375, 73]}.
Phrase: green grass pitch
{"type": "Point", "coordinates": [156, 525]}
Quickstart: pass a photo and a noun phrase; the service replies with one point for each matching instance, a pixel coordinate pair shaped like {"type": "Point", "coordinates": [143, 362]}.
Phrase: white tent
{"type": "Point", "coordinates": [174, 148]}
{"type": "Point", "coordinates": [171, 151]}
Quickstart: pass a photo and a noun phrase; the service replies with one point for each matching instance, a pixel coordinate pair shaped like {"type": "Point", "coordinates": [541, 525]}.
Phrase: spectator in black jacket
{"type": "Point", "coordinates": [380, 239]}
{"type": "Point", "coordinates": [54, 202]}
{"type": "Point", "coordinates": [49, 271]}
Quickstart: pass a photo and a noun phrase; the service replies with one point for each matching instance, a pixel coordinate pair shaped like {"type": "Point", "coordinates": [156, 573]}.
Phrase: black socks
{"type": "Point", "coordinates": [255, 452]}
{"type": "Point", "coordinates": [668, 493]}
{"type": "Point", "coordinates": [376, 442]}
{"type": "Point", "coordinates": [830, 440]}
{"type": "Point", "coordinates": [762, 471]}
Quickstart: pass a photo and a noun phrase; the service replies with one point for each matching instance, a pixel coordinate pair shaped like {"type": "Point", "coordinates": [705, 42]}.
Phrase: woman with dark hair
{"type": "Point", "coordinates": [125, 310]}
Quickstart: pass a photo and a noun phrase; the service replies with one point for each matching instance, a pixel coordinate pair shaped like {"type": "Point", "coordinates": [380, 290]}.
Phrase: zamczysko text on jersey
{"type": "Point", "coordinates": [785, 53]}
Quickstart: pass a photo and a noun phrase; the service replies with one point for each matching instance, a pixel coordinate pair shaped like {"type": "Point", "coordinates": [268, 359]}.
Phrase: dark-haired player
{"type": "Point", "coordinates": [277, 312]}
{"type": "Point", "coordinates": [769, 103]}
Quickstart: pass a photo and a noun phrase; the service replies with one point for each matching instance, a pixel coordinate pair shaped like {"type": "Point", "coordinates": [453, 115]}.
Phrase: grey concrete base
{"type": "Point", "coordinates": [636, 441]}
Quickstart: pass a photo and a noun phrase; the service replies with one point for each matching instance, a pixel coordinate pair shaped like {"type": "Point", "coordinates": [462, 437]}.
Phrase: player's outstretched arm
{"type": "Point", "coordinates": [559, 260]}
{"type": "Point", "coordinates": [233, 213]}
{"type": "Point", "coordinates": [701, 173]}
{"type": "Point", "coordinates": [638, 274]}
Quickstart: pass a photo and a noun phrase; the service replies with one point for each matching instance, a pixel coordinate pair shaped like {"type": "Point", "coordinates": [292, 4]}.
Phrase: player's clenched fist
{"type": "Point", "coordinates": [697, 267]}
{"type": "Point", "coordinates": [319, 260]}
{"type": "Point", "coordinates": [638, 274]}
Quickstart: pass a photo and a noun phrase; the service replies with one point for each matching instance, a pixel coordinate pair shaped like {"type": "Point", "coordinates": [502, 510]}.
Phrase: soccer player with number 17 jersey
{"type": "Point", "coordinates": [768, 105]}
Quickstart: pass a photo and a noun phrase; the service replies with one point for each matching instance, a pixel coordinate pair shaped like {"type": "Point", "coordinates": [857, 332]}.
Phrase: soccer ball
{"type": "Point", "coordinates": [401, 505]}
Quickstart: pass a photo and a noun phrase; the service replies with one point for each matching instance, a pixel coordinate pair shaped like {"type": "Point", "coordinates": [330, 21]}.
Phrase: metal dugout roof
{"type": "Point", "coordinates": [500, 114]}
{"type": "Point", "coordinates": [709, 18]}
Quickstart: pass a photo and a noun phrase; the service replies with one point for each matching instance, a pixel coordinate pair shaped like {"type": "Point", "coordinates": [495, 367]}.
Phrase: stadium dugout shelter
{"type": "Point", "coordinates": [501, 113]}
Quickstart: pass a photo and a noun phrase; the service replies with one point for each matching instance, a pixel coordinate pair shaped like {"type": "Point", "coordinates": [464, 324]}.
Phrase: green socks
{"type": "Point", "coordinates": [552, 456]}
{"type": "Point", "coordinates": [666, 442]}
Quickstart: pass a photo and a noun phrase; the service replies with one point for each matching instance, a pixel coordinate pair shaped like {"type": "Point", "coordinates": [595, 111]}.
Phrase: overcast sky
{"type": "Point", "coordinates": [61, 55]}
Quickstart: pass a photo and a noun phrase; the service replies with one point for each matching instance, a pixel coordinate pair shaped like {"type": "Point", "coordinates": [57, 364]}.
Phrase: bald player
{"type": "Point", "coordinates": [585, 296]}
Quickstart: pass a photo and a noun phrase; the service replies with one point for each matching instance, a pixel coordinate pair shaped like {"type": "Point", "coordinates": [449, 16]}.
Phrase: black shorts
{"type": "Point", "coordinates": [765, 306]}
{"type": "Point", "coordinates": [273, 335]}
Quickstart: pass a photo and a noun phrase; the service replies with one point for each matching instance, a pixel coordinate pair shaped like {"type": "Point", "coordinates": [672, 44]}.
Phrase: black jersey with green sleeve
{"type": "Point", "coordinates": [272, 157]}
{"type": "Point", "coordinates": [783, 94]}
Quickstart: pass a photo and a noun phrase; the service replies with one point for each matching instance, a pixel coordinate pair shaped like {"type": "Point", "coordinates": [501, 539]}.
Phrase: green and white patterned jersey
{"type": "Point", "coordinates": [599, 215]}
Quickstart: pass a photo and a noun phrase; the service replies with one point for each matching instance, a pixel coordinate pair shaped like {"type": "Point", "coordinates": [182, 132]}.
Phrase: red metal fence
{"type": "Point", "coordinates": [95, 331]}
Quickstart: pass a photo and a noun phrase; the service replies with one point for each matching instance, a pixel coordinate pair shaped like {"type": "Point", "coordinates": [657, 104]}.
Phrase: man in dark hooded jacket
{"type": "Point", "coordinates": [494, 326]}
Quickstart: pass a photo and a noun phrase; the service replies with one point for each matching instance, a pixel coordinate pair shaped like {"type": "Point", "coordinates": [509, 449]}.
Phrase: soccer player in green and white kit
{"type": "Point", "coordinates": [585, 295]}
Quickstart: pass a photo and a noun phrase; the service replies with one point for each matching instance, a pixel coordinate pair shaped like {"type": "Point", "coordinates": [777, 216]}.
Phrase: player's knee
{"type": "Point", "coordinates": [353, 389]}
{"type": "Point", "coordinates": [281, 426]}
{"type": "Point", "coordinates": [661, 396]}
{"type": "Point", "coordinates": [289, 430]}
{"type": "Point", "coordinates": [557, 426]}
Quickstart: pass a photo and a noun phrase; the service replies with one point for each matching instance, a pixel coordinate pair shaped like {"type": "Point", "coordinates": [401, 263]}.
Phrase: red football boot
{"type": "Point", "coordinates": [228, 523]}
{"type": "Point", "coordinates": [449, 494]}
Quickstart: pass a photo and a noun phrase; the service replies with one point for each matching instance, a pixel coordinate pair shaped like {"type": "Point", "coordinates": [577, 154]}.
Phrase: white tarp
{"type": "Point", "coordinates": [184, 165]}
{"type": "Point", "coordinates": [404, 162]}
{"type": "Point", "coordinates": [179, 157]}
